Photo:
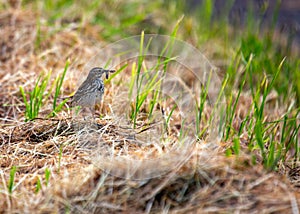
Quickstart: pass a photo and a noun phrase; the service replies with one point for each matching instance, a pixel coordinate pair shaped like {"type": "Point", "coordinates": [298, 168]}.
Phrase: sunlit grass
{"type": "Point", "coordinates": [254, 59]}
{"type": "Point", "coordinates": [48, 163]}
{"type": "Point", "coordinates": [36, 97]}
{"type": "Point", "coordinates": [34, 100]}
{"type": "Point", "coordinates": [11, 182]}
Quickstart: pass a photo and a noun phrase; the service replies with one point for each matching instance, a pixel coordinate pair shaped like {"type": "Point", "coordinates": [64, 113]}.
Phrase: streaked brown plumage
{"type": "Point", "coordinates": [90, 92]}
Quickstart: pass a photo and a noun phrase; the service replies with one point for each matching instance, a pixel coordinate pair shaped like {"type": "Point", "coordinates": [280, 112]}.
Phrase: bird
{"type": "Point", "coordinates": [90, 92]}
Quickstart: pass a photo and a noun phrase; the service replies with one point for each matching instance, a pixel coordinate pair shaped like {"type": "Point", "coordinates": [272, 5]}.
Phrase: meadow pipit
{"type": "Point", "coordinates": [90, 92]}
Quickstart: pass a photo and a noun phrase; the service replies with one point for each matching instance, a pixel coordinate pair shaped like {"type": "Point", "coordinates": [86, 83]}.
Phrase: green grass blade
{"type": "Point", "coordinates": [58, 88]}
{"type": "Point", "coordinates": [11, 181]}
{"type": "Point", "coordinates": [259, 137]}
{"type": "Point", "coordinates": [38, 185]}
{"type": "Point", "coordinates": [236, 146]}
{"type": "Point", "coordinates": [47, 176]}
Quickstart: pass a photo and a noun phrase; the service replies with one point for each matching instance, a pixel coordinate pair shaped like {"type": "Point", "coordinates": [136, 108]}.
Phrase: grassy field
{"type": "Point", "coordinates": [162, 140]}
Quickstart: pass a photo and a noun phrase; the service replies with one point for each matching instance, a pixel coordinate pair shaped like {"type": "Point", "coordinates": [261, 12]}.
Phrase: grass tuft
{"type": "Point", "coordinates": [11, 181]}
{"type": "Point", "coordinates": [58, 85]}
{"type": "Point", "coordinates": [36, 97]}
{"type": "Point", "coordinates": [40, 95]}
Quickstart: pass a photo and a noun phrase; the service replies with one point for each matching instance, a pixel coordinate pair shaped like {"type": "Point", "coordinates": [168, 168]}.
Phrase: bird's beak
{"type": "Point", "coordinates": [109, 71]}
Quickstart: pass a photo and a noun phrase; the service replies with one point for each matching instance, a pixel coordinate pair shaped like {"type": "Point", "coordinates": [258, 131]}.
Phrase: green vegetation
{"type": "Point", "coordinates": [38, 185]}
{"type": "Point", "coordinates": [200, 108]}
{"type": "Point", "coordinates": [11, 182]}
{"type": "Point", "coordinates": [40, 95]}
{"type": "Point", "coordinates": [257, 63]}
{"type": "Point", "coordinates": [58, 84]}
{"type": "Point", "coordinates": [211, 152]}
{"type": "Point", "coordinates": [36, 97]}
{"type": "Point", "coordinates": [47, 176]}
{"type": "Point", "coordinates": [263, 132]}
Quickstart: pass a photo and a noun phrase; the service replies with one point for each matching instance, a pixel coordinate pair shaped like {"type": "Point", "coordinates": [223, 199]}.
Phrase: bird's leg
{"type": "Point", "coordinates": [92, 110]}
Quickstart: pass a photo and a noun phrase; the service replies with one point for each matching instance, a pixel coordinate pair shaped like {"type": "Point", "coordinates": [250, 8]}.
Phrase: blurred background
{"type": "Point", "coordinates": [223, 30]}
{"type": "Point", "coordinates": [284, 15]}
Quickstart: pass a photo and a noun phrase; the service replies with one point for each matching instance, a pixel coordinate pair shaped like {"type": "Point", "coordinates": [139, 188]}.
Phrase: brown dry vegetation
{"type": "Point", "coordinates": [206, 182]}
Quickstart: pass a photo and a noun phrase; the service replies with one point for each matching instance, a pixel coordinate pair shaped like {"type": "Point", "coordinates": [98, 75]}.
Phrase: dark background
{"type": "Point", "coordinates": [283, 15]}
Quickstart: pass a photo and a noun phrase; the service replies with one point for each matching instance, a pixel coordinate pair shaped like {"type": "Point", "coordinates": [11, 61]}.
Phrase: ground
{"type": "Point", "coordinates": [47, 166]}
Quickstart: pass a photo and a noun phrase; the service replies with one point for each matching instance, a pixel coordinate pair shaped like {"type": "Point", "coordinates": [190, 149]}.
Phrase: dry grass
{"type": "Point", "coordinates": [206, 182]}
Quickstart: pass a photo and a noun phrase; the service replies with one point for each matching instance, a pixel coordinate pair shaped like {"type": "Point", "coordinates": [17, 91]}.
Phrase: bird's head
{"type": "Point", "coordinates": [98, 72]}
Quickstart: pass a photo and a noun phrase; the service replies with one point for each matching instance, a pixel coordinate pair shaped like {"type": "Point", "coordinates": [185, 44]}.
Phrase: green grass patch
{"type": "Point", "coordinates": [35, 99]}
{"type": "Point", "coordinates": [11, 182]}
